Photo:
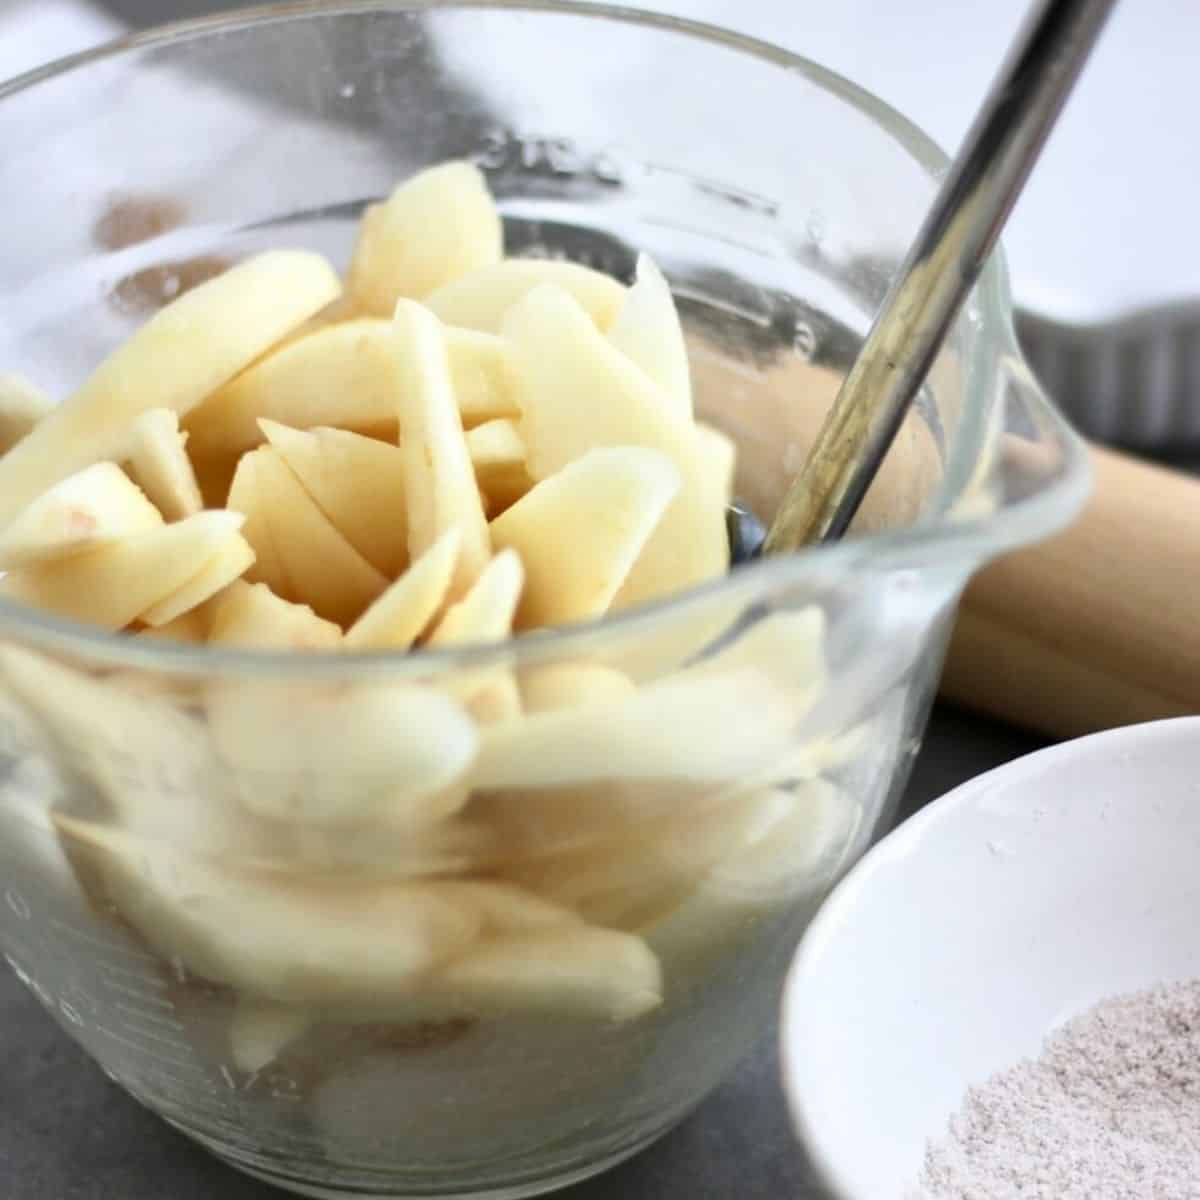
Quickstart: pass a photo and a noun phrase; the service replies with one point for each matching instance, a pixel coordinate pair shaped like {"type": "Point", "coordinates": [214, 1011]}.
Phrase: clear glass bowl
{"type": "Point", "coordinates": [220, 872]}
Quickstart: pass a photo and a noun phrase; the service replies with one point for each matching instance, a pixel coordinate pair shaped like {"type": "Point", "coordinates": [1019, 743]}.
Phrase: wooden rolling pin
{"type": "Point", "coordinates": [1097, 627]}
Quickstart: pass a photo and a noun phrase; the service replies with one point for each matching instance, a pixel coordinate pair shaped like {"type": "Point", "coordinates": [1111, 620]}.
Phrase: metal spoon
{"type": "Point", "coordinates": [951, 248]}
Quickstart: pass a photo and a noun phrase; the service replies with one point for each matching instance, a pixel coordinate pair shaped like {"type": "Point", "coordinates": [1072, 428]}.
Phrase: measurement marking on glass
{"type": "Point", "coordinates": [133, 993]}
{"type": "Point", "coordinates": [157, 1055]}
{"type": "Point", "coordinates": [131, 973]}
{"type": "Point", "coordinates": [101, 944]}
{"type": "Point", "coordinates": [153, 1018]}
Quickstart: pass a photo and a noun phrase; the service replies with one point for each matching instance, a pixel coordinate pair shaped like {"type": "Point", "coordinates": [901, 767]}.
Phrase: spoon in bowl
{"type": "Point", "coordinates": [959, 232]}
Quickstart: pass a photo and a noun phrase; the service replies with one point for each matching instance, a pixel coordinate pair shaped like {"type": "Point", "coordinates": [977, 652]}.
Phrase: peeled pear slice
{"type": "Point", "coordinates": [498, 456]}
{"type": "Point", "coordinates": [183, 353]}
{"type": "Point", "coordinates": [434, 227]}
{"type": "Point", "coordinates": [260, 1030]}
{"type": "Point", "coordinates": [786, 864]}
{"type": "Point", "coordinates": [572, 685]}
{"type": "Point", "coordinates": [794, 852]}
{"type": "Point", "coordinates": [301, 555]}
{"type": "Point", "coordinates": [251, 616]}
{"type": "Point", "coordinates": [247, 497]}
{"type": "Point", "coordinates": [703, 729]}
{"type": "Point", "coordinates": [579, 531]}
{"type": "Point", "coordinates": [329, 946]}
{"type": "Point", "coordinates": [343, 376]}
{"type": "Point", "coordinates": [396, 849]}
{"type": "Point", "coordinates": [22, 406]}
{"type": "Point", "coordinates": [338, 755]}
{"type": "Point", "coordinates": [357, 482]}
{"type": "Point", "coordinates": [495, 445]}
{"type": "Point", "coordinates": [482, 299]}
{"type": "Point", "coordinates": [398, 617]}
{"type": "Point", "coordinates": [191, 627]}
{"type": "Point", "coordinates": [486, 612]}
{"type": "Point", "coordinates": [95, 506]}
{"type": "Point", "coordinates": [611, 402]}
{"type": "Point", "coordinates": [340, 375]}
{"type": "Point", "coordinates": [648, 332]}
{"type": "Point", "coordinates": [787, 645]}
{"type": "Point", "coordinates": [230, 562]}
{"type": "Point", "coordinates": [571, 971]}
{"type": "Point", "coordinates": [480, 376]}
{"type": "Point", "coordinates": [505, 908]}
{"type": "Point", "coordinates": [148, 758]}
{"type": "Point", "coordinates": [114, 585]}
{"type": "Point", "coordinates": [648, 867]}
{"type": "Point", "coordinates": [497, 699]}
{"type": "Point", "coordinates": [717, 455]}
{"type": "Point", "coordinates": [438, 479]}
{"type": "Point", "coordinates": [160, 465]}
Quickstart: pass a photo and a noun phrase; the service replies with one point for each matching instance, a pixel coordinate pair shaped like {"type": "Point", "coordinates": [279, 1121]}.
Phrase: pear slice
{"type": "Point", "coordinates": [340, 375]}
{"type": "Point", "coordinates": [301, 556]}
{"type": "Point", "coordinates": [486, 612]}
{"type": "Point", "coordinates": [190, 627]}
{"type": "Point", "coordinates": [579, 531]}
{"type": "Point", "coordinates": [95, 506]}
{"type": "Point", "coordinates": [343, 755]}
{"type": "Point", "coordinates": [647, 330]}
{"type": "Point", "coordinates": [399, 616]}
{"type": "Point", "coordinates": [253, 617]}
{"type": "Point", "coordinates": [184, 352]}
{"type": "Point", "coordinates": [260, 1030]}
{"type": "Point", "coordinates": [645, 870]}
{"type": "Point", "coordinates": [573, 971]}
{"type": "Point", "coordinates": [438, 479]}
{"type": "Point", "coordinates": [495, 446]}
{"type": "Point", "coordinates": [611, 402]}
{"type": "Point", "coordinates": [230, 562]}
{"type": "Point", "coordinates": [702, 729]}
{"type": "Point", "coordinates": [498, 456]}
{"type": "Point", "coordinates": [339, 947]}
{"type": "Point", "coordinates": [114, 585]}
{"type": "Point", "coordinates": [717, 455]}
{"type": "Point", "coordinates": [785, 864]}
{"type": "Point", "coordinates": [343, 376]}
{"type": "Point", "coordinates": [246, 497]}
{"type": "Point", "coordinates": [149, 759]}
{"type": "Point", "coordinates": [22, 406]}
{"type": "Point", "coordinates": [505, 908]}
{"type": "Point", "coordinates": [573, 685]}
{"type": "Point", "coordinates": [159, 464]}
{"type": "Point", "coordinates": [480, 376]}
{"type": "Point", "coordinates": [357, 482]}
{"type": "Point", "coordinates": [482, 299]}
{"type": "Point", "coordinates": [434, 227]}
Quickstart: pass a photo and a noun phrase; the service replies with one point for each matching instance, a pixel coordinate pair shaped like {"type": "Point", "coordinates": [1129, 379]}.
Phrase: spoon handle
{"type": "Point", "coordinates": [951, 248]}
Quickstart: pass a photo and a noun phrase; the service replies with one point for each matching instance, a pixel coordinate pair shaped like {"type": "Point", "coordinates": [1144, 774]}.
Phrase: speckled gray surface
{"type": "Point", "coordinates": [67, 1133]}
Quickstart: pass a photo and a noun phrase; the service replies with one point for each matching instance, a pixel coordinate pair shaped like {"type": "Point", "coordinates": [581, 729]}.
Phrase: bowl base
{"type": "Point", "coordinates": [514, 1191]}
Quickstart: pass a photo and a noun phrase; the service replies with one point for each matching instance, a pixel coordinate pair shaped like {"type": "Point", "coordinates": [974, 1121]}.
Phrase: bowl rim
{"type": "Point", "coordinates": [963, 542]}
{"type": "Point", "coordinates": [836, 914]}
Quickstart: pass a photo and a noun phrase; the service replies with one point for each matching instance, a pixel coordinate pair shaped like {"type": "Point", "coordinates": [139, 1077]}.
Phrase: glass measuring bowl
{"type": "Point", "coordinates": [208, 873]}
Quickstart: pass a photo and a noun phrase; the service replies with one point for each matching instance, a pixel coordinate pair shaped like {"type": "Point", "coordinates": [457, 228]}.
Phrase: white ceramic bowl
{"type": "Point", "coordinates": [962, 939]}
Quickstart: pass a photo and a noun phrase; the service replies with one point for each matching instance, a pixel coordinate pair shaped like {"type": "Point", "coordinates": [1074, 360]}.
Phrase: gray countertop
{"type": "Point", "coordinates": [67, 1133]}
